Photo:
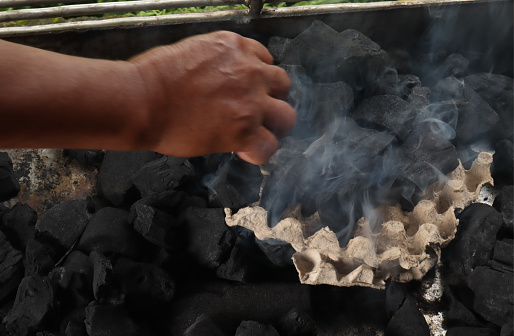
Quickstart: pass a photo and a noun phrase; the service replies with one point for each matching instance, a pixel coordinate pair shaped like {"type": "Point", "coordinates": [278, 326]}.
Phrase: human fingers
{"type": "Point", "coordinates": [260, 148]}
{"type": "Point", "coordinates": [278, 116]}
{"type": "Point", "coordinates": [277, 81]}
{"type": "Point", "coordinates": [259, 50]}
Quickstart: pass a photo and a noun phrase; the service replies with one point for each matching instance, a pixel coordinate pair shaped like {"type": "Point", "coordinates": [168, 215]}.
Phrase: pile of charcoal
{"type": "Point", "coordinates": [150, 253]}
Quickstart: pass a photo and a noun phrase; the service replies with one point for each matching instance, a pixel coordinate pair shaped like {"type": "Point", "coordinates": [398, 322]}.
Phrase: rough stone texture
{"type": "Point", "coordinates": [11, 267]}
{"type": "Point", "coordinates": [106, 320]}
{"type": "Point", "coordinates": [18, 223]}
{"type": "Point", "coordinates": [155, 225]}
{"type": "Point", "coordinates": [64, 223]}
{"type": "Point", "coordinates": [297, 323]}
{"type": "Point", "coordinates": [9, 186]}
{"type": "Point", "coordinates": [110, 232]}
{"type": "Point", "coordinates": [460, 307]}
{"type": "Point", "coordinates": [39, 258]}
{"type": "Point", "coordinates": [34, 301]}
{"type": "Point", "coordinates": [102, 274]}
{"type": "Point", "coordinates": [116, 172]}
{"type": "Point", "coordinates": [493, 305]}
{"type": "Point", "coordinates": [253, 328]}
{"type": "Point", "coordinates": [407, 321]}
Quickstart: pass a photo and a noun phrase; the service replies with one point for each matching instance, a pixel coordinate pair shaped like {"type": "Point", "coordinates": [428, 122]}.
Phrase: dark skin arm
{"type": "Point", "coordinates": [211, 93]}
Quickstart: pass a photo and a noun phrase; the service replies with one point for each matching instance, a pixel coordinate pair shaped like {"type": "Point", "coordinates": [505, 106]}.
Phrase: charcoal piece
{"type": "Point", "coordinates": [459, 310]}
{"type": "Point", "coordinates": [276, 46]}
{"type": "Point", "coordinates": [228, 304]}
{"type": "Point", "coordinates": [253, 328]}
{"type": "Point", "coordinates": [204, 326]}
{"type": "Point", "coordinates": [497, 91]}
{"type": "Point", "coordinates": [504, 252]}
{"type": "Point", "coordinates": [475, 239]}
{"type": "Point", "coordinates": [237, 267]}
{"type": "Point", "coordinates": [399, 59]}
{"type": "Point", "coordinates": [424, 156]}
{"type": "Point", "coordinates": [102, 274]}
{"type": "Point", "coordinates": [503, 203]}
{"type": "Point", "coordinates": [493, 305]}
{"type": "Point", "coordinates": [163, 174]}
{"type": "Point", "coordinates": [38, 258]}
{"type": "Point", "coordinates": [297, 323]}
{"type": "Point", "coordinates": [407, 321]}
{"type": "Point", "coordinates": [65, 222]}
{"type": "Point", "coordinates": [419, 96]}
{"type": "Point", "coordinates": [168, 202]}
{"type": "Point", "coordinates": [330, 56]}
{"type": "Point", "coordinates": [75, 328]}
{"type": "Point", "coordinates": [471, 331]}
{"type": "Point", "coordinates": [278, 253]}
{"type": "Point", "coordinates": [155, 225]}
{"type": "Point", "coordinates": [388, 82]}
{"type": "Point", "coordinates": [507, 329]}
{"type": "Point", "coordinates": [106, 320]}
{"type": "Point", "coordinates": [146, 286]}
{"type": "Point", "coordinates": [116, 172]}
{"type": "Point", "coordinates": [236, 184]}
{"type": "Point", "coordinates": [18, 224]}
{"type": "Point", "coordinates": [46, 333]}
{"type": "Point", "coordinates": [9, 186]}
{"type": "Point", "coordinates": [385, 112]}
{"type": "Point", "coordinates": [208, 237]}
{"type": "Point", "coordinates": [472, 110]}
{"type": "Point", "coordinates": [406, 86]}
{"type": "Point", "coordinates": [86, 157]}
{"type": "Point", "coordinates": [331, 101]}
{"type": "Point", "coordinates": [396, 293]}
{"type": "Point", "coordinates": [78, 262]}
{"type": "Point", "coordinates": [11, 267]}
{"type": "Point", "coordinates": [503, 163]}
{"type": "Point", "coordinates": [454, 65]}
{"type": "Point", "coordinates": [110, 232]}
{"type": "Point", "coordinates": [34, 302]}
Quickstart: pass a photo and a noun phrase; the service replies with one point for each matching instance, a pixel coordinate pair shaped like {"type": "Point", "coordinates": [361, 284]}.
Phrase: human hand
{"type": "Point", "coordinates": [217, 92]}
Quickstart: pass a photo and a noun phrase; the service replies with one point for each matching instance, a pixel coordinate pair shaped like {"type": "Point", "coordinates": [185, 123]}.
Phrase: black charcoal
{"type": "Point", "coordinates": [490, 303]}
{"type": "Point", "coordinates": [87, 157]}
{"type": "Point", "coordinates": [396, 293]}
{"type": "Point", "coordinates": [503, 163]}
{"type": "Point", "coordinates": [297, 323]}
{"type": "Point", "coordinates": [65, 222]}
{"type": "Point", "coordinates": [331, 101]}
{"type": "Point", "coordinates": [116, 172]}
{"type": "Point", "coordinates": [503, 203]}
{"type": "Point", "coordinates": [406, 85]}
{"type": "Point", "coordinates": [253, 328]}
{"type": "Point", "coordinates": [474, 242]}
{"type": "Point", "coordinates": [238, 267]}
{"type": "Point", "coordinates": [155, 225]}
{"type": "Point", "coordinates": [169, 202]}
{"type": "Point", "coordinates": [18, 223]}
{"type": "Point", "coordinates": [75, 328]}
{"type": "Point", "coordinates": [102, 274]}
{"type": "Point", "coordinates": [204, 326]}
{"type": "Point", "coordinates": [11, 267]}
{"type": "Point", "coordinates": [39, 258]}
{"type": "Point", "coordinates": [208, 237]}
{"type": "Point", "coordinates": [454, 65]}
{"type": "Point", "coordinates": [106, 320]}
{"type": "Point", "coordinates": [110, 232]}
{"type": "Point", "coordinates": [471, 331]}
{"type": "Point", "coordinates": [388, 82]}
{"type": "Point", "coordinates": [407, 321]}
{"type": "Point", "coordinates": [504, 252]}
{"type": "Point", "coordinates": [147, 286]}
{"type": "Point", "coordinates": [34, 302]}
{"type": "Point", "coordinates": [459, 311]}
{"type": "Point", "coordinates": [9, 186]}
{"type": "Point", "coordinates": [276, 46]}
{"type": "Point", "coordinates": [278, 253]}
{"type": "Point", "coordinates": [507, 329]}
{"type": "Point", "coordinates": [163, 174]}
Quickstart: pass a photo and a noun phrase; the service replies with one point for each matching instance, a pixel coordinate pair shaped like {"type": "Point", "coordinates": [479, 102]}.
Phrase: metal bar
{"type": "Point", "coordinates": [108, 7]}
{"type": "Point", "coordinates": [240, 15]}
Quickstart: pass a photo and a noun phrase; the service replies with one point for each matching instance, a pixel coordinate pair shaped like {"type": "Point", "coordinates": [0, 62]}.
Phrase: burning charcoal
{"type": "Point", "coordinates": [332, 100]}
{"type": "Point", "coordinates": [460, 301]}
{"type": "Point", "coordinates": [407, 321]}
{"type": "Point", "coordinates": [9, 186]}
{"type": "Point", "coordinates": [276, 46]}
{"type": "Point", "coordinates": [497, 91]}
{"type": "Point", "coordinates": [454, 65]}
{"type": "Point", "coordinates": [109, 321]}
{"type": "Point", "coordinates": [18, 224]}
{"type": "Point", "coordinates": [163, 174]}
{"type": "Point", "coordinates": [387, 82]}
{"type": "Point", "coordinates": [102, 270]}
{"type": "Point", "coordinates": [503, 165]}
{"type": "Point", "coordinates": [11, 267]}
{"type": "Point", "coordinates": [297, 323]}
{"type": "Point", "coordinates": [473, 110]}
{"type": "Point", "coordinates": [236, 185]}
{"type": "Point", "coordinates": [471, 331]}
{"type": "Point", "coordinates": [253, 328]}
{"type": "Point", "coordinates": [474, 242]}
{"type": "Point", "coordinates": [65, 222]}
{"type": "Point", "coordinates": [229, 304]}
{"type": "Point", "coordinates": [330, 56]}
{"type": "Point", "coordinates": [146, 286]}
{"type": "Point", "coordinates": [386, 112]}
{"type": "Point", "coordinates": [503, 203]}
{"type": "Point", "coordinates": [86, 157]}
{"type": "Point", "coordinates": [155, 225]}
{"type": "Point", "coordinates": [38, 258]}
{"type": "Point", "coordinates": [204, 326]}
{"type": "Point", "coordinates": [110, 232]}
{"type": "Point", "coordinates": [208, 238]}
{"type": "Point", "coordinates": [34, 302]}
{"type": "Point", "coordinates": [493, 305]}
{"type": "Point", "coordinates": [116, 172]}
